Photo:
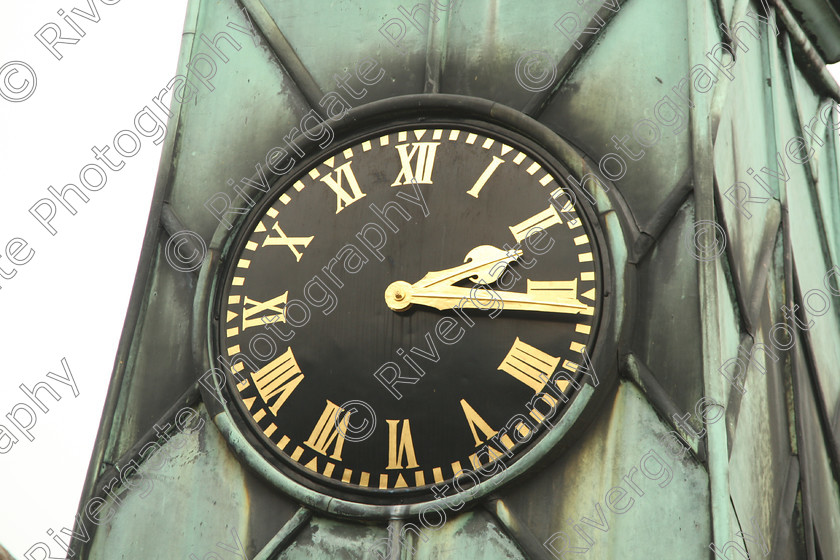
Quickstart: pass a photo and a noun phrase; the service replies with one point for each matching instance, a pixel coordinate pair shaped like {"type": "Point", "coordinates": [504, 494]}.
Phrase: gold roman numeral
{"type": "Point", "coordinates": [544, 219]}
{"type": "Point", "coordinates": [326, 433]}
{"type": "Point", "coordinates": [278, 379]}
{"type": "Point", "coordinates": [477, 424]}
{"type": "Point", "coordinates": [553, 290]}
{"type": "Point", "coordinates": [289, 242]}
{"type": "Point", "coordinates": [248, 319]}
{"type": "Point", "coordinates": [526, 363]}
{"type": "Point", "coordinates": [404, 448]}
{"type": "Point", "coordinates": [425, 161]}
{"type": "Point", "coordinates": [488, 172]}
{"type": "Point", "coordinates": [345, 199]}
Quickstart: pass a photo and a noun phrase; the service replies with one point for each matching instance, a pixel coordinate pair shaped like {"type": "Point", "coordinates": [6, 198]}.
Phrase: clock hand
{"type": "Point", "coordinates": [478, 264]}
{"type": "Point", "coordinates": [402, 295]}
{"type": "Point", "coordinates": [436, 288]}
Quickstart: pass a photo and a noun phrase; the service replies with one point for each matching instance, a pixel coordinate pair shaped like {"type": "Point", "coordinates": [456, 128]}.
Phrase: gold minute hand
{"type": "Point", "coordinates": [447, 298]}
{"type": "Point", "coordinates": [485, 299]}
{"type": "Point", "coordinates": [550, 297]}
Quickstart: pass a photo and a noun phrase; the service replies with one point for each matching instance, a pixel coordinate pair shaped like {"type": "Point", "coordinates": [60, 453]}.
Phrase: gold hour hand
{"type": "Point", "coordinates": [479, 265]}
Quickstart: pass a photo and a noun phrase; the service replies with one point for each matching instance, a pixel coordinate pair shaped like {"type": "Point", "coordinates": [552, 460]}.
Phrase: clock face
{"type": "Point", "coordinates": [410, 307]}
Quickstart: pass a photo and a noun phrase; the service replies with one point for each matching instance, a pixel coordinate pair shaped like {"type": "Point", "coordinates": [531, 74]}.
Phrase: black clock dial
{"type": "Point", "coordinates": [424, 272]}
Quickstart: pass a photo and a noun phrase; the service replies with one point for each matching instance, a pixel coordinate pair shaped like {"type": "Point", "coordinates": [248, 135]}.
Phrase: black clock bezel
{"type": "Point", "coordinates": [431, 111]}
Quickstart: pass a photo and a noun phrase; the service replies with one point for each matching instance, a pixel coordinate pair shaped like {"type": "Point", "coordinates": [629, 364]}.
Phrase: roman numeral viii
{"type": "Point", "coordinates": [278, 379]}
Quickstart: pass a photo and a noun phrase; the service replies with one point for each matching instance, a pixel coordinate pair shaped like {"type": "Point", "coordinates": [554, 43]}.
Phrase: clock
{"type": "Point", "coordinates": [412, 306]}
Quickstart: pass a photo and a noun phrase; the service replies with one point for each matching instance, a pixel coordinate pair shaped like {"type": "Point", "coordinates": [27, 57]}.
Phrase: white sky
{"type": "Point", "coordinates": [69, 301]}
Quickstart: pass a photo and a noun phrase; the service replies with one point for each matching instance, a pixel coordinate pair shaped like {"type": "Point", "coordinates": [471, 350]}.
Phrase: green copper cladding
{"type": "Point", "coordinates": [713, 181]}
